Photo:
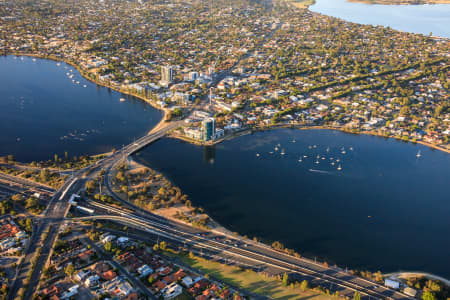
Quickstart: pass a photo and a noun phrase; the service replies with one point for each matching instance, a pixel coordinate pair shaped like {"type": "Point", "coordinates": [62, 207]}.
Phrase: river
{"type": "Point", "coordinates": [411, 18]}
{"type": "Point", "coordinates": [384, 210]}
{"type": "Point", "coordinates": [44, 111]}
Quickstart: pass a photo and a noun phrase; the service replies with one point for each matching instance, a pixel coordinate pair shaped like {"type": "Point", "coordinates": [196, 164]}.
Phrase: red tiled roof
{"type": "Point", "coordinates": [168, 279]}
{"type": "Point", "coordinates": [179, 275]}
{"type": "Point", "coordinates": [225, 294]}
{"type": "Point", "coordinates": [8, 230]}
{"type": "Point", "coordinates": [51, 290]}
{"type": "Point", "coordinates": [159, 285]}
{"type": "Point", "coordinates": [108, 275]}
{"type": "Point", "coordinates": [166, 271]}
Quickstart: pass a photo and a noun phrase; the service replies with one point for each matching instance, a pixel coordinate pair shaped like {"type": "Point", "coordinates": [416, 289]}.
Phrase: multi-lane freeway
{"type": "Point", "coordinates": [25, 183]}
{"type": "Point", "coordinates": [243, 252]}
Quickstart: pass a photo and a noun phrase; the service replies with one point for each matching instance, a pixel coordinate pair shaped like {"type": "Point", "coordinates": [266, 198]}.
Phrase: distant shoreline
{"type": "Point", "coordinates": [307, 3]}
{"type": "Point", "coordinates": [401, 2]}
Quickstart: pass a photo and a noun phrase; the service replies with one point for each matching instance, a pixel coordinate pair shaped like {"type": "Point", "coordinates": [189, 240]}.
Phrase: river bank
{"type": "Point", "coordinates": [174, 212]}
{"type": "Point", "coordinates": [300, 127]}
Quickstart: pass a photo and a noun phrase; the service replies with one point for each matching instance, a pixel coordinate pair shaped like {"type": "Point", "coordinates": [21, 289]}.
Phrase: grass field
{"type": "Point", "coordinates": [249, 280]}
{"type": "Point", "coordinates": [301, 3]}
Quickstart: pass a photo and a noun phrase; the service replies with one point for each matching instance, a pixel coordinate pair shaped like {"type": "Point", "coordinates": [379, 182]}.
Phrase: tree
{"type": "Point", "coordinates": [163, 246]}
{"type": "Point", "coordinates": [285, 279]}
{"type": "Point", "coordinates": [356, 296]}
{"type": "Point", "coordinates": [29, 225]}
{"type": "Point", "coordinates": [304, 285]}
{"type": "Point", "coordinates": [108, 246]}
{"type": "Point", "coordinates": [44, 175]}
{"type": "Point", "coordinates": [17, 197]}
{"type": "Point", "coordinates": [31, 202]}
{"type": "Point", "coordinates": [427, 295]}
{"type": "Point", "coordinates": [69, 270]}
{"type": "Point", "coordinates": [90, 185]}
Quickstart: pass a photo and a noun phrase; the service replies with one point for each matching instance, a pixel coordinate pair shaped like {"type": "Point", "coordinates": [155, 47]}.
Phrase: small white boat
{"type": "Point", "coordinates": [58, 64]}
{"type": "Point", "coordinates": [78, 82]}
{"type": "Point", "coordinates": [300, 160]}
{"type": "Point", "coordinates": [328, 149]}
{"type": "Point", "coordinates": [332, 163]}
{"type": "Point", "coordinates": [293, 140]}
{"type": "Point", "coordinates": [276, 148]}
{"type": "Point", "coordinates": [309, 147]}
{"type": "Point", "coordinates": [339, 168]}
{"type": "Point", "coordinates": [122, 99]}
{"type": "Point", "coordinates": [351, 148]}
{"type": "Point", "coordinates": [418, 154]}
{"type": "Point", "coordinates": [314, 146]}
{"type": "Point", "coordinates": [338, 160]}
{"type": "Point", "coordinates": [271, 152]}
{"type": "Point", "coordinates": [84, 85]}
{"type": "Point", "coordinates": [343, 150]}
{"type": "Point", "coordinates": [257, 154]}
{"type": "Point", "coordinates": [305, 156]}
{"type": "Point", "coordinates": [317, 162]}
{"type": "Point", "coordinates": [282, 152]}
{"type": "Point", "coordinates": [34, 59]}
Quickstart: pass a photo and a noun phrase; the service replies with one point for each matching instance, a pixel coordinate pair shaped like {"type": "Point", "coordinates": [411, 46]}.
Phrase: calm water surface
{"type": "Point", "coordinates": [411, 18]}
{"type": "Point", "coordinates": [386, 209]}
{"type": "Point", "coordinates": [42, 112]}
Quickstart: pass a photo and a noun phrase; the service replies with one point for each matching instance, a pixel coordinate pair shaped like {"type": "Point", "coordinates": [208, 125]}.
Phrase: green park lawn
{"type": "Point", "coordinates": [249, 280]}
